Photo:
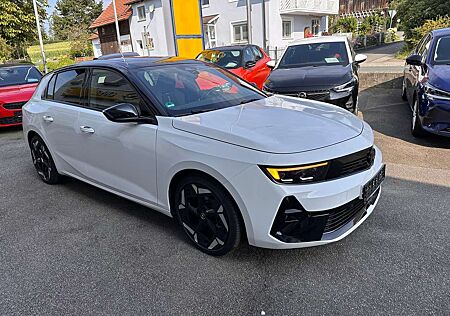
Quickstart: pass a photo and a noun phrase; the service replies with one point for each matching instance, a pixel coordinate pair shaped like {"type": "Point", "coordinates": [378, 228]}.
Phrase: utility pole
{"type": "Point", "coordinates": [249, 20]}
{"type": "Point", "coordinates": [117, 26]}
{"type": "Point", "coordinates": [38, 25]}
{"type": "Point", "coordinates": [263, 4]}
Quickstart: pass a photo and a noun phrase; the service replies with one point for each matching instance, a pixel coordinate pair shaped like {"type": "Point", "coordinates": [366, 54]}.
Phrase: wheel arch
{"type": "Point", "coordinates": [216, 177]}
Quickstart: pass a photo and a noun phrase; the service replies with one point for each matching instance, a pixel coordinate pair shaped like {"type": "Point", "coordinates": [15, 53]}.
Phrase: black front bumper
{"type": "Point", "coordinates": [294, 224]}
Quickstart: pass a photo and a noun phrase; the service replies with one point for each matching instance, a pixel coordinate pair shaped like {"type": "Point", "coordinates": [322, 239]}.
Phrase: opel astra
{"type": "Point", "coordinates": [199, 144]}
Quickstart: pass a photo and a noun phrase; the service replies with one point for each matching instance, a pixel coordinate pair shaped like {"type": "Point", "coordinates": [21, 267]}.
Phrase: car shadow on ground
{"type": "Point", "coordinates": [383, 108]}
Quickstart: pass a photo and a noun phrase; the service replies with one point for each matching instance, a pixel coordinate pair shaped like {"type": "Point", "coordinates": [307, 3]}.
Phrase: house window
{"type": "Point", "coordinates": [141, 13]}
{"type": "Point", "coordinates": [287, 29]}
{"type": "Point", "coordinates": [205, 3]}
{"type": "Point", "coordinates": [240, 32]}
{"type": "Point", "coordinates": [315, 26]}
{"type": "Point", "coordinates": [210, 35]}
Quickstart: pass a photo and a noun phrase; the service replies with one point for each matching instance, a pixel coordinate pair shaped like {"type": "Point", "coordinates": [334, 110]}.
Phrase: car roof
{"type": "Point", "coordinates": [441, 32]}
{"type": "Point", "coordinates": [134, 62]}
{"type": "Point", "coordinates": [230, 47]}
{"type": "Point", "coordinates": [320, 39]}
{"type": "Point", "coordinates": [16, 65]}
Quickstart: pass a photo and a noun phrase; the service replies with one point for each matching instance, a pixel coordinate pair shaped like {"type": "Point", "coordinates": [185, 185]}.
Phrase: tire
{"type": "Point", "coordinates": [416, 126]}
{"type": "Point", "coordinates": [404, 96]}
{"type": "Point", "coordinates": [43, 161]}
{"type": "Point", "coordinates": [355, 106]}
{"type": "Point", "coordinates": [207, 215]}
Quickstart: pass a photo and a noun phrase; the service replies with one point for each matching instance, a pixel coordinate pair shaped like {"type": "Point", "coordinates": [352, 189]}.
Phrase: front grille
{"type": "Point", "coordinates": [350, 164]}
{"type": "Point", "coordinates": [14, 106]}
{"type": "Point", "coordinates": [11, 120]}
{"type": "Point", "coordinates": [343, 214]}
{"type": "Point", "coordinates": [317, 95]}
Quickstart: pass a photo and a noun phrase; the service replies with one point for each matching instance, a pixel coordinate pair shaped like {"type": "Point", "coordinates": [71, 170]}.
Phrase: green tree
{"type": "Point", "coordinates": [18, 24]}
{"type": "Point", "coordinates": [74, 14]}
{"type": "Point", "coordinates": [5, 51]}
{"type": "Point", "coordinates": [414, 13]}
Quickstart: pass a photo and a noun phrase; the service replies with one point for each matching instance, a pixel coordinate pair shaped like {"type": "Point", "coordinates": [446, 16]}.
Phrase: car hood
{"type": "Point", "coordinates": [275, 125]}
{"type": "Point", "coordinates": [439, 76]}
{"type": "Point", "coordinates": [308, 78]}
{"type": "Point", "coordinates": [18, 93]}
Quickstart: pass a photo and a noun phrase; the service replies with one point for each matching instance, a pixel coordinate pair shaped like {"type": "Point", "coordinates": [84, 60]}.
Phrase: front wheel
{"type": "Point", "coordinates": [404, 96]}
{"type": "Point", "coordinates": [43, 161]}
{"type": "Point", "coordinates": [207, 215]}
{"type": "Point", "coordinates": [416, 126]}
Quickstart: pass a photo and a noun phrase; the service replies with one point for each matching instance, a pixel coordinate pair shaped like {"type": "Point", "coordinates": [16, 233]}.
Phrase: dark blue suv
{"type": "Point", "coordinates": [426, 84]}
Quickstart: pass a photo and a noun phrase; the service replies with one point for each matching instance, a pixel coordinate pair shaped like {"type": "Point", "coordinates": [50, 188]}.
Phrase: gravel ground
{"type": "Point", "coordinates": [77, 250]}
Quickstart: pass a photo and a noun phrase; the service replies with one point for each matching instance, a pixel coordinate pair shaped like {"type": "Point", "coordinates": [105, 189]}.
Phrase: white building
{"type": "Point", "coordinates": [225, 21]}
{"type": "Point", "coordinates": [151, 32]}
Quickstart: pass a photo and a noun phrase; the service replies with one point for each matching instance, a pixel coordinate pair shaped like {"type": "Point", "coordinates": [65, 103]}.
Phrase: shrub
{"type": "Point", "coordinates": [346, 25]}
{"type": "Point", "coordinates": [429, 25]}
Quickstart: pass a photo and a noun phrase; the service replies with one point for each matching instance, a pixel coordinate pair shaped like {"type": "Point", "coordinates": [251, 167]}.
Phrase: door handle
{"type": "Point", "coordinates": [47, 118]}
{"type": "Point", "coordinates": [87, 130]}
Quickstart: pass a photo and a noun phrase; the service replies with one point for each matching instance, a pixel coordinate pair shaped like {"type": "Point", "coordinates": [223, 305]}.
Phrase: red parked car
{"type": "Point", "coordinates": [17, 85]}
{"type": "Point", "coordinates": [246, 61]}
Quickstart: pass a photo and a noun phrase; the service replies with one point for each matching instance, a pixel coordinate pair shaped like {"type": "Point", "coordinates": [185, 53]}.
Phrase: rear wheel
{"type": "Point", "coordinates": [43, 161]}
{"type": "Point", "coordinates": [416, 126]}
{"type": "Point", "coordinates": [207, 215]}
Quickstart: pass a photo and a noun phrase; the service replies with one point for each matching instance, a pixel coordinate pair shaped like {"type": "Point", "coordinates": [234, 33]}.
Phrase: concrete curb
{"type": "Point", "coordinates": [386, 80]}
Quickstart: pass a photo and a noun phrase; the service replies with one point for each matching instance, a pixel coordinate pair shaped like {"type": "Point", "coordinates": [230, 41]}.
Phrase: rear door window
{"type": "Point", "coordinates": [69, 86]}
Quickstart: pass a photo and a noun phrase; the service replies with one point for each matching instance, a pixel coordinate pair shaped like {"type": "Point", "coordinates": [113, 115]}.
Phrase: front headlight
{"type": "Point", "coordinates": [434, 93]}
{"type": "Point", "coordinates": [346, 87]}
{"type": "Point", "coordinates": [298, 174]}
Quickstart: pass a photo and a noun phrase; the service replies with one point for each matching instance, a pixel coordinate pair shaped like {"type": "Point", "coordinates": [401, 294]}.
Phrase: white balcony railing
{"type": "Point", "coordinates": [309, 7]}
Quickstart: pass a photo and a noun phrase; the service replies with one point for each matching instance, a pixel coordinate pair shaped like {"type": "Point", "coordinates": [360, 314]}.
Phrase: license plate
{"type": "Point", "coordinates": [372, 186]}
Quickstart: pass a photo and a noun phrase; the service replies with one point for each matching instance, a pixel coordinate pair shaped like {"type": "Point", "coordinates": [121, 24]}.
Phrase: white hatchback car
{"type": "Point", "coordinates": [197, 143]}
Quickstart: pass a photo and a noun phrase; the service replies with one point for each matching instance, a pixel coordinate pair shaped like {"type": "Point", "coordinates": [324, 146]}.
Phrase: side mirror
{"type": "Point", "coordinates": [271, 64]}
{"type": "Point", "coordinates": [414, 60]}
{"type": "Point", "coordinates": [360, 58]}
{"type": "Point", "coordinates": [250, 64]}
{"type": "Point", "coordinates": [125, 113]}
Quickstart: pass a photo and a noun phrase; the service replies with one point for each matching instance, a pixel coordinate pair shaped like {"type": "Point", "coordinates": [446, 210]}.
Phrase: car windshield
{"type": "Point", "coordinates": [315, 54]}
{"type": "Point", "coordinates": [17, 75]}
{"type": "Point", "coordinates": [185, 89]}
{"type": "Point", "coordinates": [229, 59]}
{"type": "Point", "coordinates": [442, 52]}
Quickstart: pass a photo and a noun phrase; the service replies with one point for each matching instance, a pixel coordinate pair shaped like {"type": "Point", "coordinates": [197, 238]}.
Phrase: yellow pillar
{"type": "Point", "coordinates": [187, 24]}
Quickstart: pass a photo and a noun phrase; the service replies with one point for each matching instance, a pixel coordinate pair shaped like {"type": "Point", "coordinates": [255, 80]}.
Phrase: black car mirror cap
{"type": "Point", "coordinates": [414, 60]}
{"type": "Point", "coordinates": [250, 64]}
{"type": "Point", "coordinates": [125, 113]}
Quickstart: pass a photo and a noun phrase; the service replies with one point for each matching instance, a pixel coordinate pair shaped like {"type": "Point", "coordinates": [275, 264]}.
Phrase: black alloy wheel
{"type": "Point", "coordinates": [43, 161]}
{"type": "Point", "coordinates": [207, 215]}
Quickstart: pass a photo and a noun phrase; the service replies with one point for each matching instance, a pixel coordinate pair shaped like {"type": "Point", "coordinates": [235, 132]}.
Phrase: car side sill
{"type": "Point", "coordinates": [121, 194]}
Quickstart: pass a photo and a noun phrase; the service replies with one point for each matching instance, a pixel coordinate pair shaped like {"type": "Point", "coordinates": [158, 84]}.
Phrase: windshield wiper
{"type": "Point", "coordinates": [249, 100]}
{"type": "Point", "coordinates": [197, 111]}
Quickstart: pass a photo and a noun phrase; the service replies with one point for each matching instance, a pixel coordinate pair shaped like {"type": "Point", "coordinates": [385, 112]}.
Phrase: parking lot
{"type": "Point", "coordinates": [75, 249]}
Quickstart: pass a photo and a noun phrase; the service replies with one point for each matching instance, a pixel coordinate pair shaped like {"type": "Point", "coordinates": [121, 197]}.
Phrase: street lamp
{"type": "Point", "coordinates": [41, 44]}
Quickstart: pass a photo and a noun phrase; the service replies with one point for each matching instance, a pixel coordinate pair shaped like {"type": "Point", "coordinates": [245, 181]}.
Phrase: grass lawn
{"type": "Point", "coordinates": [58, 55]}
{"type": "Point", "coordinates": [52, 51]}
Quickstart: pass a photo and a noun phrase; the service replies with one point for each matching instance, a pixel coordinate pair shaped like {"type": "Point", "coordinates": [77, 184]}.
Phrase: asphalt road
{"type": "Point", "coordinates": [77, 250]}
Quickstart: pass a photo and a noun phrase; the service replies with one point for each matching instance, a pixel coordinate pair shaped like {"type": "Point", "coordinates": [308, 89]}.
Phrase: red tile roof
{"type": "Point", "coordinates": [107, 16]}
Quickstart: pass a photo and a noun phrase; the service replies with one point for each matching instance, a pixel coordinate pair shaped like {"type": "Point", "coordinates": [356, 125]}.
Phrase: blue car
{"type": "Point", "coordinates": [426, 84]}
